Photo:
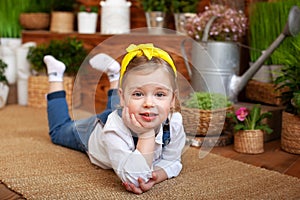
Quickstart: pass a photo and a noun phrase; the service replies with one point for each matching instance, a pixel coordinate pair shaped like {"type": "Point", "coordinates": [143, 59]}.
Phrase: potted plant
{"type": "Point", "coordinates": [4, 89]}
{"type": "Point", "coordinates": [290, 82]}
{"type": "Point", "coordinates": [155, 12]}
{"type": "Point", "coordinates": [227, 24]}
{"type": "Point", "coordinates": [71, 52]}
{"type": "Point", "coordinates": [249, 129]}
{"type": "Point", "coordinates": [87, 19]}
{"type": "Point", "coordinates": [10, 11]}
{"type": "Point", "coordinates": [62, 16]}
{"type": "Point", "coordinates": [262, 33]}
{"type": "Point", "coordinates": [36, 16]}
{"type": "Point", "coordinates": [204, 113]}
{"type": "Point", "coordinates": [215, 52]}
{"type": "Point", "coordinates": [183, 10]}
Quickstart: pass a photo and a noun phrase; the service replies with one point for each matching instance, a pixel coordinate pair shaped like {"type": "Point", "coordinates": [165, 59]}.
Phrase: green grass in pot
{"type": "Point", "coordinates": [70, 51]}
{"type": "Point", "coordinates": [206, 101]}
{"type": "Point", "coordinates": [266, 22]}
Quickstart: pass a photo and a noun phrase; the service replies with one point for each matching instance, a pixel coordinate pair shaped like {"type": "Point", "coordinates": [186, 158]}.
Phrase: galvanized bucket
{"type": "Point", "coordinates": [214, 63]}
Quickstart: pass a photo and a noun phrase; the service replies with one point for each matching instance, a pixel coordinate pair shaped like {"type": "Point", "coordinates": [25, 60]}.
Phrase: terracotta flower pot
{"type": "Point", "coordinates": [35, 21]}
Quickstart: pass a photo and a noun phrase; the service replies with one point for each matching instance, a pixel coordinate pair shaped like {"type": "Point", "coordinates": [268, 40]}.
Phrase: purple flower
{"type": "Point", "coordinates": [242, 113]}
{"type": "Point", "coordinates": [231, 24]}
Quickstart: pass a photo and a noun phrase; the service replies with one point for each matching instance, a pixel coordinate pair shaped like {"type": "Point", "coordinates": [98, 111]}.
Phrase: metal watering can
{"type": "Point", "coordinates": [216, 63]}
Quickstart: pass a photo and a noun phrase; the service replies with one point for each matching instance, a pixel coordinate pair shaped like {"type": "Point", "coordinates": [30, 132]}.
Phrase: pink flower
{"type": "Point", "coordinates": [242, 113]}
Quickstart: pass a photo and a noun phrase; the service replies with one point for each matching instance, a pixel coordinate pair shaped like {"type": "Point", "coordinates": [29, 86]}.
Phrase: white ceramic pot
{"type": "Point", "coordinates": [87, 22]}
{"type": "Point", "coordinates": [23, 72]}
{"type": "Point", "coordinates": [263, 74]}
{"type": "Point", "coordinates": [8, 55]}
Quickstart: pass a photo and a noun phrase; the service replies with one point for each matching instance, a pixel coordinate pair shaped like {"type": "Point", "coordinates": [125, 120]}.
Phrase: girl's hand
{"type": "Point", "coordinates": [144, 186]}
{"type": "Point", "coordinates": [131, 122]}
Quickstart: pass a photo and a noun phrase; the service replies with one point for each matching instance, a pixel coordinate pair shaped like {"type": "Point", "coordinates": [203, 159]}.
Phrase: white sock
{"type": "Point", "coordinates": [107, 64]}
{"type": "Point", "coordinates": [55, 69]}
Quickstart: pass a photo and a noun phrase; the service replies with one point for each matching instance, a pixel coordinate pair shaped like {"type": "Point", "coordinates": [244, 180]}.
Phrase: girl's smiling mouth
{"type": "Point", "coordinates": [148, 116]}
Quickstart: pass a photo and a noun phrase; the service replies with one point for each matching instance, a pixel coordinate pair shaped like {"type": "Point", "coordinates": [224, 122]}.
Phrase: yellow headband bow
{"type": "Point", "coordinates": [149, 51]}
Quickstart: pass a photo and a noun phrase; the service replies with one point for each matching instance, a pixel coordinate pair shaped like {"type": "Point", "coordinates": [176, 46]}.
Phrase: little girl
{"type": "Point", "coordinates": [141, 139]}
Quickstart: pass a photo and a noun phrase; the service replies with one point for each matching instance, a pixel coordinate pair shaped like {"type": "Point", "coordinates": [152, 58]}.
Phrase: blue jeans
{"type": "Point", "coordinates": [70, 133]}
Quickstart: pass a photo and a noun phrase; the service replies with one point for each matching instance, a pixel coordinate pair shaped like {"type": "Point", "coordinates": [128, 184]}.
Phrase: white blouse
{"type": "Point", "coordinates": [112, 147]}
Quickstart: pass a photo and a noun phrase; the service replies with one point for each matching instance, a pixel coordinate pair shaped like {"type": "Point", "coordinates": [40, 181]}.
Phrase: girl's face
{"type": "Point", "coordinates": [149, 97]}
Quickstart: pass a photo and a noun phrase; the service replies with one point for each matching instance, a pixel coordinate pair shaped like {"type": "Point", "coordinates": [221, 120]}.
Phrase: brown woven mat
{"type": "Point", "coordinates": [34, 167]}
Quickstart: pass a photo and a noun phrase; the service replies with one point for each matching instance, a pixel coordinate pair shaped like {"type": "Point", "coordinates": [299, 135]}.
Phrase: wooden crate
{"type": "Point", "coordinates": [263, 92]}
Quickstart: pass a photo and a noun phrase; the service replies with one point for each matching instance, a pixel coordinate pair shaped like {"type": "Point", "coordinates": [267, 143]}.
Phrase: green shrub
{"type": "Point", "coordinates": [3, 66]}
{"type": "Point", "coordinates": [70, 51]}
{"type": "Point", "coordinates": [207, 101]}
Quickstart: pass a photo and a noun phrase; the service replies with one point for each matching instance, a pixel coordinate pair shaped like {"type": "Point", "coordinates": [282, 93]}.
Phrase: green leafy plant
{"type": "Point", "coordinates": [288, 80]}
{"type": "Point", "coordinates": [3, 67]}
{"type": "Point", "coordinates": [70, 51]}
{"type": "Point", "coordinates": [155, 5]}
{"type": "Point", "coordinates": [206, 101]}
{"type": "Point", "coordinates": [184, 6]}
{"type": "Point", "coordinates": [38, 6]}
{"type": "Point", "coordinates": [296, 101]}
{"type": "Point", "coordinates": [245, 119]}
{"type": "Point", "coordinates": [84, 8]}
{"type": "Point", "coordinates": [63, 5]}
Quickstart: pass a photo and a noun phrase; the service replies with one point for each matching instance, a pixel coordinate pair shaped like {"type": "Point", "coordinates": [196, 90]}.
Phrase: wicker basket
{"type": "Point", "coordinates": [263, 92]}
{"type": "Point", "coordinates": [62, 22]}
{"type": "Point", "coordinates": [249, 141]}
{"type": "Point", "coordinates": [38, 87]}
{"type": "Point", "coordinates": [204, 122]}
{"type": "Point", "coordinates": [34, 21]}
{"type": "Point", "coordinates": [290, 133]}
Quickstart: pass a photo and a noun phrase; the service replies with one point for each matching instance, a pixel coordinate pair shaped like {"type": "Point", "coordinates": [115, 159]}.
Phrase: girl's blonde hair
{"type": "Point", "coordinates": [144, 65]}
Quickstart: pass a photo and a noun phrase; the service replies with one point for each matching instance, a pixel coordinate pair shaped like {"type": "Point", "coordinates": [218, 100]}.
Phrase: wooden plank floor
{"type": "Point", "coordinates": [273, 158]}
